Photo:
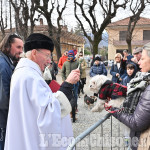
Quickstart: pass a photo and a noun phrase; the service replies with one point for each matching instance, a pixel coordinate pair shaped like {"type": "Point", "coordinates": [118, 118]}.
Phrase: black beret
{"type": "Point", "coordinates": [38, 41]}
{"type": "Point", "coordinates": [97, 58]}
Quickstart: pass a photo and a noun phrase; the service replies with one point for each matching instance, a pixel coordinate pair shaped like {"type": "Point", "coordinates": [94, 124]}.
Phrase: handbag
{"type": "Point", "coordinates": [47, 74]}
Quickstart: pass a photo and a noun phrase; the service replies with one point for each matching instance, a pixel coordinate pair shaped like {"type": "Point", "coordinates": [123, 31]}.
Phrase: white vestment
{"type": "Point", "coordinates": [35, 121]}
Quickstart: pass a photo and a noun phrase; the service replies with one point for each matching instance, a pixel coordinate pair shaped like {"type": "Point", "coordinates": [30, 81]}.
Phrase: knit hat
{"type": "Point", "coordinates": [71, 52]}
{"type": "Point", "coordinates": [97, 58]}
{"type": "Point", "coordinates": [38, 41]}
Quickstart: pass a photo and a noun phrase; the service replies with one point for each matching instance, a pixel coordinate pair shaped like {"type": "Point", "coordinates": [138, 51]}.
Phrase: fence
{"type": "Point", "coordinates": [101, 141]}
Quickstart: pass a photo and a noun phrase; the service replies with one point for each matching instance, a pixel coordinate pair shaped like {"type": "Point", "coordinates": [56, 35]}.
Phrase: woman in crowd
{"type": "Point", "coordinates": [98, 68]}
{"type": "Point", "coordinates": [117, 72]}
{"type": "Point", "coordinates": [83, 65]}
{"type": "Point", "coordinates": [136, 108]}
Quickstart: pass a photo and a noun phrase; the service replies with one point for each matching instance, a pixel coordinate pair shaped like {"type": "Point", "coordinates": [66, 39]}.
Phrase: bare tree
{"type": "Point", "coordinates": [24, 13]}
{"type": "Point", "coordinates": [47, 11]}
{"type": "Point", "coordinates": [136, 8]}
{"type": "Point", "coordinates": [10, 16]}
{"type": "Point", "coordinates": [3, 19]}
{"type": "Point", "coordinates": [32, 16]}
{"type": "Point", "coordinates": [109, 9]}
{"type": "Point", "coordinates": [78, 30]}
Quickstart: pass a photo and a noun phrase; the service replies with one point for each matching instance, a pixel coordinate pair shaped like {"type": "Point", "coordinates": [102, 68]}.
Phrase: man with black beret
{"type": "Point", "coordinates": [38, 119]}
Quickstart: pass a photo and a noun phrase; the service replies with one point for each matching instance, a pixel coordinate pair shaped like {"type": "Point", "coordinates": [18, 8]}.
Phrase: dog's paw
{"type": "Point", "coordinates": [98, 107]}
{"type": "Point", "coordinates": [117, 102]}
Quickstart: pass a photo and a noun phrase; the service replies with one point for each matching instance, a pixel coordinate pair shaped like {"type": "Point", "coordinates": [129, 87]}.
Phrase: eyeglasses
{"type": "Point", "coordinates": [117, 57]}
{"type": "Point", "coordinates": [80, 55]}
{"type": "Point", "coordinates": [46, 55]}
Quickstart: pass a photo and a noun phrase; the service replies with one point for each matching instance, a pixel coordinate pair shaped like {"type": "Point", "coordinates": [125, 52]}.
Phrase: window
{"type": "Point", "coordinates": [122, 35]}
{"type": "Point", "coordinates": [146, 34]}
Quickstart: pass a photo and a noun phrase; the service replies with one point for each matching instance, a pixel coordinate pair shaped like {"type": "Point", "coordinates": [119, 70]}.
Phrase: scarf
{"type": "Point", "coordinates": [135, 87]}
{"type": "Point", "coordinates": [71, 60]}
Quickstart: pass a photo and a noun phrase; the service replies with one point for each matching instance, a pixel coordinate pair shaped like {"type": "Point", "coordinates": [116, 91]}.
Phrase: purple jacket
{"type": "Point", "coordinates": [140, 119]}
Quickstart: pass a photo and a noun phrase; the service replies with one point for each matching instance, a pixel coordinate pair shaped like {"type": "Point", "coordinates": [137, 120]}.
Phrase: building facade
{"type": "Point", "coordinates": [68, 40]}
{"type": "Point", "coordinates": [117, 35]}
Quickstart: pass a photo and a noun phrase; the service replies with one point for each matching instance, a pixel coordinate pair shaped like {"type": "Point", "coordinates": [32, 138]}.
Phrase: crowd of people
{"type": "Point", "coordinates": [33, 113]}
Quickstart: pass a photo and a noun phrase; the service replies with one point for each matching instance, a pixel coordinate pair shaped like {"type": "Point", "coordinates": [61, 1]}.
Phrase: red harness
{"type": "Point", "coordinates": [108, 108]}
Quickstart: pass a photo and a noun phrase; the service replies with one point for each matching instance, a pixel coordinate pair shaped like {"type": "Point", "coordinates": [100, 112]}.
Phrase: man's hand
{"type": "Point", "coordinates": [134, 59]}
{"type": "Point", "coordinates": [74, 76]}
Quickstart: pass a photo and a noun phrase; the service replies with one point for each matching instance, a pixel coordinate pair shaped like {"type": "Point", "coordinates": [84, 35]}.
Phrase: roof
{"type": "Point", "coordinates": [124, 22]}
{"type": "Point", "coordinates": [124, 43]}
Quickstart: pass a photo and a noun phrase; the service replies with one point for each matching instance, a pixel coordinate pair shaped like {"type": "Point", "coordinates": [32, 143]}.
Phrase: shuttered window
{"type": "Point", "coordinates": [146, 34]}
{"type": "Point", "coordinates": [122, 35]}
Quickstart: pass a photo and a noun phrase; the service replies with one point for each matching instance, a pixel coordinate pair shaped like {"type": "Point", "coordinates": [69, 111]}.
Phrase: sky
{"type": "Point", "coordinates": [71, 21]}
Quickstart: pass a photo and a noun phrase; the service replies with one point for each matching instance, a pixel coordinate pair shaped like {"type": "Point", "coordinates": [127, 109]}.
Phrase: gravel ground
{"type": "Point", "coordinates": [86, 118]}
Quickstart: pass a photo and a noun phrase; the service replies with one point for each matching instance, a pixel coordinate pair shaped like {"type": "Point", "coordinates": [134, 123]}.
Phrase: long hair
{"type": "Point", "coordinates": [5, 44]}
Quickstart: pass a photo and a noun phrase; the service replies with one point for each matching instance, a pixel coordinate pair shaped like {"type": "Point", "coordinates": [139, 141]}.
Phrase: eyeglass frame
{"type": "Point", "coordinates": [47, 56]}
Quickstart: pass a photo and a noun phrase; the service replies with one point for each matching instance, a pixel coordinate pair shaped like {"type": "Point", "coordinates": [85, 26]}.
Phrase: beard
{"type": "Point", "coordinates": [14, 58]}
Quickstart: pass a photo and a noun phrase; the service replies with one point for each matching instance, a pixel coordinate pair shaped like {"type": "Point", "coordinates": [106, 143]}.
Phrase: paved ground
{"type": "Point", "coordinates": [85, 119]}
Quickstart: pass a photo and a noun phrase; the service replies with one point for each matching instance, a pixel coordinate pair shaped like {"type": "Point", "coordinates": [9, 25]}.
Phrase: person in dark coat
{"type": "Point", "coordinates": [68, 66]}
{"type": "Point", "coordinates": [131, 71]}
{"type": "Point", "coordinates": [117, 72]}
{"type": "Point", "coordinates": [98, 68]}
{"type": "Point", "coordinates": [53, 69]}
{"type": "Point", "coordinates": [10, 49]}
{"type": "Point", "coordinates": [136, 113]}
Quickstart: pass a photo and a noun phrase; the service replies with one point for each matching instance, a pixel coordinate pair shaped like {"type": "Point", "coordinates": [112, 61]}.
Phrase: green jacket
{"type": "Point", "coordinates": [83, 67]}
{"type": "Point", "coordinates": [68, 67]}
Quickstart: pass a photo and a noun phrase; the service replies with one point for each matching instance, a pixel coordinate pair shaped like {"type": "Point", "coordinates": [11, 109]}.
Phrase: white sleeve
{"type": "Point", "coordinates": [64, 103]}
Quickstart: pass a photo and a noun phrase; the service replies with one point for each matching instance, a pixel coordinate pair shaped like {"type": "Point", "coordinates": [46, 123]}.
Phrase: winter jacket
{"type": "Point", "coordinates": [98, 69]}
{"type": "Point", "coordinates": [140, 119]}
{"type": "Point", "coordinates": [6, 70]}
{"type": "Point", "coordinates": [62, 60]}
{"type": "Point", "coordinates": [114, 70]}
{"type": "Point", "coordinates": [68, 67]}
{"type": "Point", "coordinates": [83, 67]}
{"type": "Point", "coordinates": [127, 78]}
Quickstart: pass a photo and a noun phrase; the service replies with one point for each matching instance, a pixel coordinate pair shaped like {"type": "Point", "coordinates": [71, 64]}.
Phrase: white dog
{"type": "Point", "coordinates": [98, 84]}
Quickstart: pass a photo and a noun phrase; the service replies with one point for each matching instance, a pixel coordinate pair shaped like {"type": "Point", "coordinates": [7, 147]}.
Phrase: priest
{"type": "Point", "coordinates": [38, 119]}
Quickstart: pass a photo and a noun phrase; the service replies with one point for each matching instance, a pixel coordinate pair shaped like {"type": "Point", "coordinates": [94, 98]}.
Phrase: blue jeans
{"type": "Point", "coordinates": [75, 91]}
{"type": "Point", "coordinates": [2, 138]}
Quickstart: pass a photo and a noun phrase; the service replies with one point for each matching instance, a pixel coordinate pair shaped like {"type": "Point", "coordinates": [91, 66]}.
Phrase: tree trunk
{"type": "Point", "coordinates": [95, 48]}
{"type": "Point", "coordinates": [58, 50]}
{"type": "Point", "coordinates": [128, 40]}
{"type": "Point", "coordinates": [129, 47]}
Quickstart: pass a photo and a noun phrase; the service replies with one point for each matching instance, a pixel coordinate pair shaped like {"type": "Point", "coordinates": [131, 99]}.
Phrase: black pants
{"type": "Point", "coordinates": [81, 85]}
